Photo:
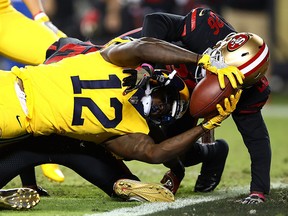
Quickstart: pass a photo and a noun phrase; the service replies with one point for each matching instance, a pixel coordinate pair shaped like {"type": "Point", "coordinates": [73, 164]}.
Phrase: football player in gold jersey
{"type": "Point", "coordinates": [83, 90]}
{"type": "Point", "coordinates": [82, 97]}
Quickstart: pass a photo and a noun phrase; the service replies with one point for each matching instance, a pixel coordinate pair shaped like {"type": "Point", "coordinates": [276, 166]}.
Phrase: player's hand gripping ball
{"type": "Point", "coordinates": [207, 94]}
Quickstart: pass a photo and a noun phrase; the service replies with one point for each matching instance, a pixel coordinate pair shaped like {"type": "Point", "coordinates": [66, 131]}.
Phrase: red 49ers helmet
{"type": "Point", "coordinates": [245, 50]}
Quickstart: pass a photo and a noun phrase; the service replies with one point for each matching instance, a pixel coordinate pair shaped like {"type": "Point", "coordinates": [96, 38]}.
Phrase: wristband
{"type": "Point", "coordinates": [149, 66]}
{"type": "Point", "coordinates": [39, 15]}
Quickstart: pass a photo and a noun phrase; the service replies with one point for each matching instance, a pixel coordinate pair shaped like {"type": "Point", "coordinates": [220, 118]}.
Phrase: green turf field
{"type": "Point", "coordinates": [77, 197]}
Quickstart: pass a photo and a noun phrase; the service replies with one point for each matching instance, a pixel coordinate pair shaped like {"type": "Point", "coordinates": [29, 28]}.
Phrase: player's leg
{"type": "Point", "coordinates": [24, 155]}
{"type": "Point", "coordinates": [112, 175]}
{"type": "Point", "coordinates": [23, 39]}
{"type": "Point", "coordinates": [16, 198]}
{"type": "Point", "coordinates": [173, 177]}
{"type": "Point", "coordinates": [28, 180]}
{"type": "Point", "coordinates": [214, 158]}
{"type": "Point", "coordinates": [106, 169]}
{"type": "Point", "coordinates": [252, 127]}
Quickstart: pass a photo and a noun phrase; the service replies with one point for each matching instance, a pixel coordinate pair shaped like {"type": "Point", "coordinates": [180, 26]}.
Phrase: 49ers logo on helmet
{"type": "Point", "coordinates": [237, 41]}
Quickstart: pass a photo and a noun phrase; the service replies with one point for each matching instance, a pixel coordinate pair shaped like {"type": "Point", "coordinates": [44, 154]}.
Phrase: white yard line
{"type": "Point", "coordinates": [277, 111]}
{"type": "Point", "coordinates": [149, 208]}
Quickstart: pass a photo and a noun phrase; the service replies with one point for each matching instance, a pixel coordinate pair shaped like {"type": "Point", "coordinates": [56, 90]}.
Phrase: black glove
{"type": "Point", "coordinates": [253, 198]}
{"type": "Point", "coordinates": [138, 77]}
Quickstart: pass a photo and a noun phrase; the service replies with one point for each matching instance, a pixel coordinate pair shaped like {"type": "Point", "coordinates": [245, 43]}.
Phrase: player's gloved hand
{"type": "Point", "coordinates": [171, 181]}
{"type": "Point", "coordinates": [233, 73]}
{"type": "Point", "coordinates": [44, 20]}
{"type": "Point", "coordinates": [205, 61]}
{"type": "Point", "coordinates": [138, 77]}
{"type": "Point", "coordinates": [230, 106]}
{"type": "Point", "coordinates": [253, 198]}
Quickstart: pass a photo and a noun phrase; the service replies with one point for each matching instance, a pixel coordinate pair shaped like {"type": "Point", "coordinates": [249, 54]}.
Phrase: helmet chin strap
{"type": "Point", "coordinates": [170, 77]}
{"type": "Point", "coordinates": [175, 104]}
{"type": "Point", "coordinates": [174, 108]}
{"type": "Point", "coordinates": [147, 100]}
{"type": "Point", "coordinates": [200, 72]}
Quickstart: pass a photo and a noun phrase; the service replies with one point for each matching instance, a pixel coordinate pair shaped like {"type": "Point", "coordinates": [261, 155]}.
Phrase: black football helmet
{"type": "Point", "coordinates": [165, 100]}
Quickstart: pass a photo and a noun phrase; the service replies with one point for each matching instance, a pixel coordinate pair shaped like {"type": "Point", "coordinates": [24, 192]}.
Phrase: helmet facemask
{"type": "Point", "coordinates": [247, 51]}
{"type": "Point", "coordinates": [165, 102]}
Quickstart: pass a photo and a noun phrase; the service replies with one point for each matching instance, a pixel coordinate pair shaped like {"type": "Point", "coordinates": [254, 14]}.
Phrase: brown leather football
{"type": "Point", "coordinates": [207, 94]}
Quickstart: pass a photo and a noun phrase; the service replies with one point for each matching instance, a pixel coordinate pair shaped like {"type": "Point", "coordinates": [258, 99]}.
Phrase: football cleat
{"type": "Point", "coordinates": [19, 198]}
{"type": "Point", "coordinates": [52, 172]}
{"type": "Point", "coordinates": [132, 190]}
{"type": "Point", "coordinates": [41, 191]}
{"type": "Point", "coordinates": [211, 170]}
{"type": "Point", "coordinates": [253, 198]}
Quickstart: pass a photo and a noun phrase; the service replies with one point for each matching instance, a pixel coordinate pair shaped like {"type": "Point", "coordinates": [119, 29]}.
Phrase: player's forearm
{"type": "Point", "coordinates": [148, 50]}
{"type": "Point", "coordinates": [159, 51]}
{"type": "Point", "coordinates": [172, 147]}
{"type": "Point", "coordinates": [141, 146]}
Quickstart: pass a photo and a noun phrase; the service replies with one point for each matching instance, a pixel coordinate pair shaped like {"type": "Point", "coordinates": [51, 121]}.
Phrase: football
{"type": "Point", "coordinates": [207, 94]}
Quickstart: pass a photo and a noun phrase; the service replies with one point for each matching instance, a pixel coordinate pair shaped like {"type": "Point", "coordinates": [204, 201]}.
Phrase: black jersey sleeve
{"type": "Point", "coordinates": [163, 26]}
{"type": "Point", "coordinates": [203, 28]}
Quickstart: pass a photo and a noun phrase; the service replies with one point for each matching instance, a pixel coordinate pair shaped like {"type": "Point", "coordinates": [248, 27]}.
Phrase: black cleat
{"type": "Point", "coordinates": [211, 170]}
{"type": "Point", "coordinates": [40, 190]}
{"type": "Point", "coordinates": [19, 198]}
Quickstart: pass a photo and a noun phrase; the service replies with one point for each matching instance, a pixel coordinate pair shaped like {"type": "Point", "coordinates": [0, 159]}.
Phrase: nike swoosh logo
{"type": "Point", "coordinates": [202, 12]}
{"type": "Point", "coordinates": [18, 119]}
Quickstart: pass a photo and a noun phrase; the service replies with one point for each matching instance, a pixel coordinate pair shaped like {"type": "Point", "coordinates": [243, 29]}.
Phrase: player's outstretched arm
{"type": "Point", "coordinates": [148, 50]}
{"type": "Point", "coordinates": [141, 147]}
{"type": "Point", "coordinates": [37, 10]}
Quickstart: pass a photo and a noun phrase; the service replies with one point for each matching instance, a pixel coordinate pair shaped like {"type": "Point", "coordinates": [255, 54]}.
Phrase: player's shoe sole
{"type": "Point", "coordinates": [19, 198]}
{"type": "Point", "coordinates": [53, 172]}
{"type": "Point", "coordinates": [132, 190]}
